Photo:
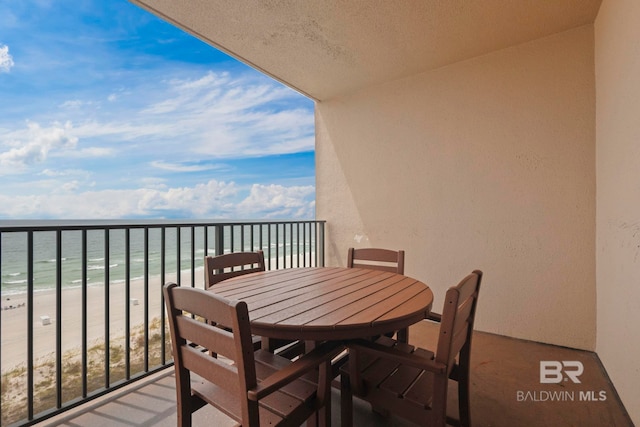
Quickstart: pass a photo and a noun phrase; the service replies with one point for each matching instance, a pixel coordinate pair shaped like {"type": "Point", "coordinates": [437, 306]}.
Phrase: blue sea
{"type": "Point", "coordinates": [14, 256]}
{"type": "Point", "coordinates": [14, 266]}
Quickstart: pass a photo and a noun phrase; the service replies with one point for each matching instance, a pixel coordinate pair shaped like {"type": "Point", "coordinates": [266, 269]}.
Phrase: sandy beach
{"type": "Point", "coordinates": [14, 320]}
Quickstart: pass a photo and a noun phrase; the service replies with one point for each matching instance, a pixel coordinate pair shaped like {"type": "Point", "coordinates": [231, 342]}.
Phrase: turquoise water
{"type": "Point", "coordinates": [14, 264]}
{"type": "Point", "coordinates": [14, 255]}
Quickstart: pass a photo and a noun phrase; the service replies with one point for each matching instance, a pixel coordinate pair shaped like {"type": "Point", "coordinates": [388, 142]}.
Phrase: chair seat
{"type": "Point", "coordinates": [273, 408]}
{"type": "Point", "coordinates": [385, 380]}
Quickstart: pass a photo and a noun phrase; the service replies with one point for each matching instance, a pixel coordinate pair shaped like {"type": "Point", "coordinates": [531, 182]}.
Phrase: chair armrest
{"type": "Point", "coordinates": [434, 317]}
{"type": "Point", "coordinates": [308, 361]}
{"type": "Point", "coordinates": [397, 356]}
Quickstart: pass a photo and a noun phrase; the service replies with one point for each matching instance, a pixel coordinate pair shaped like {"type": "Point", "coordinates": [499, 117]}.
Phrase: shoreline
{"type": "Point", "coordinates": [13, 351]}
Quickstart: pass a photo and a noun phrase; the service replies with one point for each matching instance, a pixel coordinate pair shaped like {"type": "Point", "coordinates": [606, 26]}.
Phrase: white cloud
{"type": "Point", "coordinates": [56, 173]}
{"type": "Point", "coordinates": [71, 186]}
{"type": "Point", "coordinates": [214, 199]}
{"type": "Point", "coordinates": [154, 183]}
{"type": "Point", "coordinates": [277, 201]}
{"type": "Point", "coordinates": [196, 201]}
{"type": "Point", "coordinates": [6, 60]}
{"type": "Point", "coordinates": [73, 104]}
{"type": "Point", "coordinates": [212, 116]}
{"type": "Point", "coordinates": [199, 120]}
{"type": "Point", "coordinates": [223, 117]}
{"type": "Point", "coordinates": [178, 167]}
{"type": "Point", "coordinates": [199, 201]}
{"type": "Point", "coordinates": [49, 172]}
{"type": "Point", "coordinates": [89, 152]}
{"type": "Point", "coordinates": [35, 144]}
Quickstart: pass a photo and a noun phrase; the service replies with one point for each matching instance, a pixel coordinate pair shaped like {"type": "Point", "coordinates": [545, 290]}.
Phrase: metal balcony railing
{"type": "Point", "coordinates": [82, 309]}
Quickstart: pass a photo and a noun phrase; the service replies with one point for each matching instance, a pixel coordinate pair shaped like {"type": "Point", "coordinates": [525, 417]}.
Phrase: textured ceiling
{"type": "Point", "coordinates": [328, 48]}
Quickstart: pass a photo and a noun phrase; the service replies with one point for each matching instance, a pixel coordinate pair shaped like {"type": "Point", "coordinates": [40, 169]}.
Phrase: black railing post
{"type": "Point", "coordinates": [146, 299]}
{"type": "Point", "coordinates": [322, 246]}
{"type": "Point", "coordinates": [30, 282]}
{"type": "Point", "coordinates": [269, 244]}
{"type": "Point", "coordinates": [1, 382]}
{"type": "Point", "coordinates": [107, 316]}
{"type": "Point", "coordinates": [127, 301]}
{"type": "Point", "coordinates": [277, 246]}
{"type": "Point", "coordinates": [84, 313]}
{"type": "Point", "coordinates": [162, 282]}
{"type": "Point", "coordinates": [178, 256]}
{"type": "Point", "coordinates": [59, 319]}
{"type": "Point", "coordinates": [304, 244]}
{"type": "Point", "coordinates": [193, 256]}
{"type": "Point", "coordinates": [219, 236]}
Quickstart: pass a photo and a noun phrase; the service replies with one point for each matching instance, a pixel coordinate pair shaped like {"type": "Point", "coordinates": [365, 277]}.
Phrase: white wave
{"type": "Point", "coordinates": [100, 267]}
{"type": "Point", "coordinates": [15, 282]}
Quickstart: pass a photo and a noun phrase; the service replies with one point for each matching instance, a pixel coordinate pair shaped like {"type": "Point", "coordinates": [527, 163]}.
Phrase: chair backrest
{"type": "Point", "coordinates": [191, 333]}
{"type": "Point", "coordinates": [458, 315]}
{"type": "Point", "coordinates": [221, 267]}
{"type": "Point", "coordinates": [376, 259]}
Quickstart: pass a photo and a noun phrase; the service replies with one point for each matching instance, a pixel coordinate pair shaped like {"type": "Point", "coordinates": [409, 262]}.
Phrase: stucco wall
{"type": "Point", "coordinates": [617, 55]}
{"type": "Point", "coordinates": [487, 163]}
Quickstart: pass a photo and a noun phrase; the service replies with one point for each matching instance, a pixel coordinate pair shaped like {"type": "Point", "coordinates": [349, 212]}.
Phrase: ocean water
{"type": "Point", "coordinates": [14, 265]}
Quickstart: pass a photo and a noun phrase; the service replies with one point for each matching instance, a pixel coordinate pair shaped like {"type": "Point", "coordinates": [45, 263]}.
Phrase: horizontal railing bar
{"type": "Point", "coordinates": [52, 225]}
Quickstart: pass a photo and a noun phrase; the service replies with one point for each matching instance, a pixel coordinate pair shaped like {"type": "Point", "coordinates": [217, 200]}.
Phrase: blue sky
{"type": "Point", "coordinates": [108, 112]}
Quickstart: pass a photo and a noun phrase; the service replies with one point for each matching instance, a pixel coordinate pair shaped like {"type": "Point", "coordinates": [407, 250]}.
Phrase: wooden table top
{"type": "Point", "coordinates": [328, 303]}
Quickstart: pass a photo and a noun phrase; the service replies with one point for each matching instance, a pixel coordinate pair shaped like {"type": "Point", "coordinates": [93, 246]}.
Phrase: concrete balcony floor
{"type": "Point", "coordinates": [506, 391]}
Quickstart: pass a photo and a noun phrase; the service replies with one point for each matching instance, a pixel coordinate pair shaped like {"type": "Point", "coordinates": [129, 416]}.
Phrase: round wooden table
{"type": "Point", "coordinates": [328, 303]}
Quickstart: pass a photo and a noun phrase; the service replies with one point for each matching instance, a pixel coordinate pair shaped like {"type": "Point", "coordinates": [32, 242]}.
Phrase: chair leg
{"type": "Point", "coordinates": [463, 400]}
{"type": "Point", "coordinates": [313, 420]}
{"type": "Point", "coordinates": [346, 402]}
{"type": "Point", "coordinates": [184, 415]}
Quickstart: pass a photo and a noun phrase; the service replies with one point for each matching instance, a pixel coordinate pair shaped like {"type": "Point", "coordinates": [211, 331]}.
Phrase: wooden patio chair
{"type": "Point", "coordinates": [226, 266]}
{"type": "Point", "coordinates": [412, 382]}
{"type": "Point", "coordinates": [458, 373]}
{"type": "Point", "coordinates": [376, 259]}
{"type": "Point", "coordinates": [253, 388]}
{"type": "Point", "coordinates": [379, 259]}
